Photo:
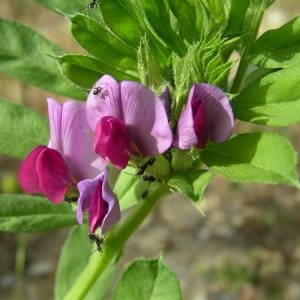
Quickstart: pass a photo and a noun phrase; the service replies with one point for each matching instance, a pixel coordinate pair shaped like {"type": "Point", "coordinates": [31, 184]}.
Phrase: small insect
{"type": "Point", "coordinates": [144, 194]}
{"type": "Point", "coordinates": [144, 167]}
{"type": "Point", "coordinates": [93, 4]}
{"type": "Point", "coordinates": [70, 199]}
{"type": "Point", "coordinates": [149, 178]}
{"type": "Point", "coordinates": [97, 90]}
{"type": "Point", "coordinates": [94, 238]}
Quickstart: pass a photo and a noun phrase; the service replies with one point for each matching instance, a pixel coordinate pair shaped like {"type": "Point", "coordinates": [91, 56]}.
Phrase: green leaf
{"type": "Point", "coordinates": [71, 264]}
{"type": "Point", "coordinates": [130, 189]}
{"type": "Point", "coordinates": [192, 184]}
{"type": "Point", "coordinates": [236, 18]}
{"type": "Point", "coordinates": [278, 47]}
{"type": "Point", "coordinates": [147, 279]}
{"type": "Point", "coordinates": [272, 100]}
{"type": "Point", "coordinates": [67, 8]}
{"type": "Point", "coordinates": [184, 12]}
{"type": "Point", "coordinates": [254, 157]}
{"type": "Point", "coordinates": [102, 43]}
{"type": "Point", "coordinates": [21, 129]}
{"type": "Point", "coordinates": [85, 70]}
{"type": "Point", "coordinates": [124, 19]}
{"type": "Point", "coordinates": [24, 213]}
{"type": "Point", "coordinates": [28, 56]}
{"type": "Point", "coordinates": [157, 13]}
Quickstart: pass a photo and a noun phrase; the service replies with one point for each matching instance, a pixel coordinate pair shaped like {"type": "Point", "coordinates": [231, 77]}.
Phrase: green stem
{"type": "Point", "coordinates": [114, 243]}
{"type": "Point", "coordinates": [245, 59]}
{"type": "Point", "coordinates": [20, 265]}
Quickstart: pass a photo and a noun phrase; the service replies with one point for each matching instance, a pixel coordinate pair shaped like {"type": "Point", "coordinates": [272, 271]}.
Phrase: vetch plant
{"type": "Point", "coordinates": [160, 111]}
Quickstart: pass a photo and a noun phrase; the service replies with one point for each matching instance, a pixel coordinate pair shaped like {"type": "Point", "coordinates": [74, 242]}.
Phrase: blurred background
{"type": "Point", "coordinates": [246, 245]}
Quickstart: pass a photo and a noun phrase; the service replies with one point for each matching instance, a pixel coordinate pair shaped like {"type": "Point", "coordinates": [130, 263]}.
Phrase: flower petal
{"type": "Point", "coordinates": [97, 197]}
{"type": "Point", "coordinates": [186, 136]}
{"type": "Point", "coordinates": [146, 118]}
{"type": "Point", "coordinates": [28, 175]}
{"type": "Point", "coordinates": [113, 214]}
{"type": "Point", "coordinates": [103, 100]}
{"type": "Point", "coordinates": [77, 141]}
{"type": "Point", "coordinates": [54, 176]}
{"type": "Point", "coordinates": [55, 113]}
{"type": "Point", "coordinates": [218, 112]}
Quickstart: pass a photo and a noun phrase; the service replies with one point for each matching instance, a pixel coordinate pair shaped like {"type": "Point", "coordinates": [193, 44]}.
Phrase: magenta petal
{"type": "Point", "coordinates": [112, 142]}
{"type": "Point", "coordinates": [218, 112]}
{"type": "Point", "coordinates": [28, 175]}
{"type": "Point", "coordinates": [106, 102]}
{"type": "Point", "coordinates": [54, 175]}
{"type": "Point", "coordinates": [98, 199]}
{"type": "Point", "coordinates": [145, 118]}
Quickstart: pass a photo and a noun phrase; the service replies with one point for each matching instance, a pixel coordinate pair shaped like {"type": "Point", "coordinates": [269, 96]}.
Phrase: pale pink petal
{"type": "Point", "coordinates": [145, 118]}
{"type": "Point", "coordinates": [103, 100]}
{"type": "Point", "coordinates": [55, 113]}
{"type": "Point", "coordinates": [218, 110]}
{"type": "Point", "coordinates": [186, 136]}
{"type": "Point", "coordinates": [77, 142]}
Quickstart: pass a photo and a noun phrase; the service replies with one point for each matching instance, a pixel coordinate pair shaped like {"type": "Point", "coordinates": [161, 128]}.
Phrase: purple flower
{"type": "Point", "coordinates": [207, 115]}
{"type": "Point", "coordinates": [99, 200]}
{"type": "Point", "coordinates": [69, 157]}
{"type": "Point", "coordinates": [128, 119]}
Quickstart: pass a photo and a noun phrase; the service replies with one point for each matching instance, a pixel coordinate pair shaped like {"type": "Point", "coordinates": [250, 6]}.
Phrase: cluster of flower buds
{"type": "Point", "coordinates": [120, 120]}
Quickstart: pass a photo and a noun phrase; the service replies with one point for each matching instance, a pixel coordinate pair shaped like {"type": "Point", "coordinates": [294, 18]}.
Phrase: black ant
{"type": "Point", "coordinates": [97, 90]}
{"type": "Point", "coordinates": [147, 164]}
{"type": "Point", "coordinates": [93, 4]}
{"type": "Point", "coordinates": [149, 178]}
{"type": "Point", "coordinates": [94, 238]}
{"type": "Point", "coordinates": [144, 194]}
{"type": "Point", "coordinates": [70, 199]}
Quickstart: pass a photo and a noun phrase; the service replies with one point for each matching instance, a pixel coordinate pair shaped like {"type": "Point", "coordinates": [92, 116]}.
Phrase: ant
{"type": "Point", "coordinates": [97, 90]}
{"type": "Point", "coordinates": [70, 199]}
{"type": "Point", "coordinates": [147, 164]}
{"type": "Point", "coordinates": [149, 178]}
{"type": "Point", "coordinates": [94, 238]}
{"type": "Point", "coordinates": [144, 194]}
{"type": "Point", "coordinates": [93, 4]}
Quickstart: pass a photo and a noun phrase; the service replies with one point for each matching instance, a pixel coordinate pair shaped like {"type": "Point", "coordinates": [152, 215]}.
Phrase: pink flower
{"type": "Point", "coordinates": [207, 115]}
{"type": "Point", "coordinates": [128, 119]}
{"type": "Point", "coordinates": [69, 157]}
{"type": "Point", "coordinates": [99, 200]}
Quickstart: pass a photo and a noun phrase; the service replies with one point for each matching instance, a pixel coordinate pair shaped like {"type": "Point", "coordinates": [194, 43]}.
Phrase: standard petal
{"type": "Point", "coordinates": [103, 100]}
{"type": "Point", "coordinates": [55, 114]}
{"type": "Point", "coordinates": [54, 176]}
{"type": "Point", "coordinates": [77, 142]}
{"type": "Point", "coordinates": [186, 136]}
{"type": "Point", "coordinates": [146, 118]}
{"type": "Point", "coordinates": [28, 175]}
{"type": "Point", "coordinates": [218, 112]}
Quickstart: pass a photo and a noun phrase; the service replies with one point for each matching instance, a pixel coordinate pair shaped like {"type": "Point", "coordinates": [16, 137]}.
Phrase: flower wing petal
{"type": "Point", "coordinates": [145, 118]}
{"type": "Point", "coordinates": [28, 175]}
{"type": "Point", "coordinates": [54, 177]}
